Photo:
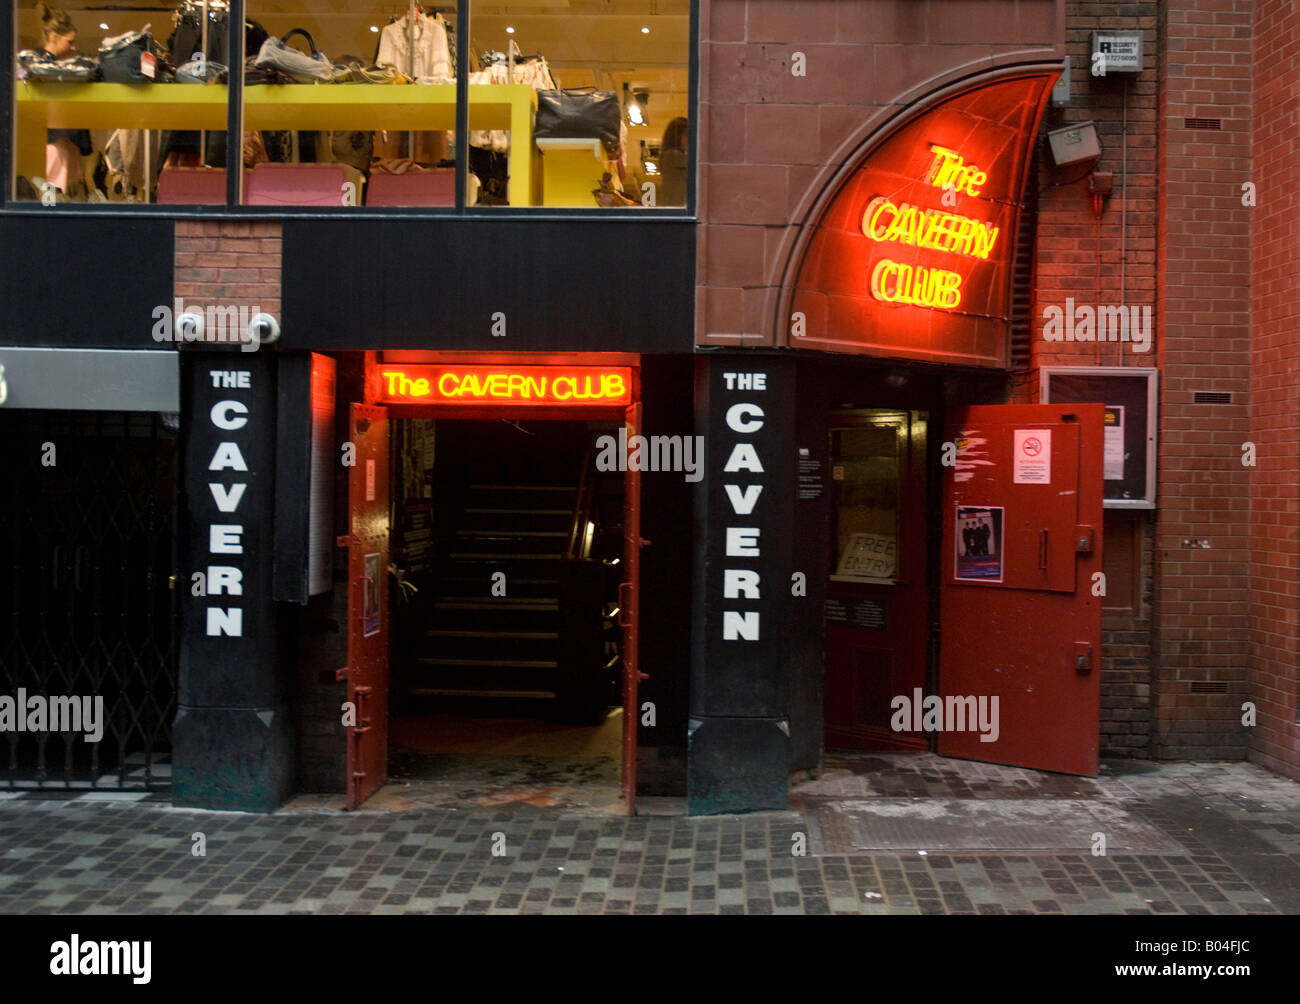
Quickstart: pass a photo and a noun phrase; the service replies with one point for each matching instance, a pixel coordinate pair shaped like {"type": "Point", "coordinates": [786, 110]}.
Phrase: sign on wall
{"type": "Point", "coordinates": [913, 257]}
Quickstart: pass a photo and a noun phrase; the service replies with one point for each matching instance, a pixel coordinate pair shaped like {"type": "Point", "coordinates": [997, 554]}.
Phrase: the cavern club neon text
{"type": "Point", "coordinates": [934, 229]}
{"type": "Point", "coordinates": [507, 385]}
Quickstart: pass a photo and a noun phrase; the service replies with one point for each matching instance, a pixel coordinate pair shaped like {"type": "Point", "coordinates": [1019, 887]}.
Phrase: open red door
{"type": "Point", "coordinates": [629, 613]}
{"type": "Point", "coordinates": [1020, 611]}
{"type": "Point", "coordinates": [367, 669]}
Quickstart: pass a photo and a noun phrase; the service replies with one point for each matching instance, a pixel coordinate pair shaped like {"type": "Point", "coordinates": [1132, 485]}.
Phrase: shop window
{"type": "Point", "coordinates": [612, 91]}
{"type": "Point", "coordinates": [118, 105]}
{"type": "Point", "coordinates": [576, 105]}
{"type": "Point", "coordinates": [866, 471]}
{"type": "Point", "coordinates": [367, 114]}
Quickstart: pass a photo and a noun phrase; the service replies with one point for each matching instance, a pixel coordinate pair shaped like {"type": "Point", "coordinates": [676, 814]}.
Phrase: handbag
{"type": "Point", "coordinates": [76, 70]}
{"type": "Point", "coordinates": [201, 72]}
{"type": "Point", "coordinates": [133, 58]}
{"type": "Point", "coordinates": [579, 113]}
{"type": "Point", "coordinates": [255, 74]}
{"type": "Point", "coordinates": [304, 68]}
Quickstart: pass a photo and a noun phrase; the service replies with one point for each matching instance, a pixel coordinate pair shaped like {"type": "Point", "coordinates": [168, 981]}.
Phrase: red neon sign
{"type": "Point", "coordinates": [583, 386]}
{"type": "Point", "coordinates": [912, 257]}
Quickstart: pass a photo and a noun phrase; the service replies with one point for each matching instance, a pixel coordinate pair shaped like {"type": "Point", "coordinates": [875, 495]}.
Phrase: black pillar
{"type": "Point", "coordinates": [233, 736]}
{"type": "Point", "coordinates": [738, 753]}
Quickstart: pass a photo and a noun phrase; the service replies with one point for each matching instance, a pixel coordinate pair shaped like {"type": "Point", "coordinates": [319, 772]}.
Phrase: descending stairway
{"type": "Point", "coordinates": [478, 644]}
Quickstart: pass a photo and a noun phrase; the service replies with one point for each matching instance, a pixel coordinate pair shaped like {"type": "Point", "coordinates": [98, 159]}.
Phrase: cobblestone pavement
{"type": "Point", "coordinates": [1226, 840]}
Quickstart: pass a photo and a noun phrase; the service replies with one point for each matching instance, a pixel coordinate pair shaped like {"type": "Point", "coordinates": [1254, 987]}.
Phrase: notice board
{"type": "Point", "coordinates": [1129, 394]}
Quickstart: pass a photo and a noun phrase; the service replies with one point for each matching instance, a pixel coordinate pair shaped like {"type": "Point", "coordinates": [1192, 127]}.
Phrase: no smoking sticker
{"type": "Point", "coordinates": [1033, 457]}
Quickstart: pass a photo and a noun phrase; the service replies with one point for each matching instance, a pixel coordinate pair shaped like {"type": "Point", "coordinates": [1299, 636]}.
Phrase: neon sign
{"type": "Point", "coordinates": [933, 229]}
{"type": "Point", "coordinates": [507, 385]}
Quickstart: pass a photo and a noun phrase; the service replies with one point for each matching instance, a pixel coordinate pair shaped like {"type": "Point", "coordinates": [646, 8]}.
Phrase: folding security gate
{"type": "Point", "coordinates": [86, 610]}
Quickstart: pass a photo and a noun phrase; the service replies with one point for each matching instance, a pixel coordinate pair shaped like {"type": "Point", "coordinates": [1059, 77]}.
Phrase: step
{"type": "Point", "coordinates": [492, 663]}
{"type": "Point", "coordinates": [504, 556]}
{"type": "Point", "coordinates": [511, 534]}
{"type": "Point", "coordinates": [517, 635]}
{"type": "Point", "coordinates": [466, 692]}
{"type": "Point", "coordinates": [520, 512]}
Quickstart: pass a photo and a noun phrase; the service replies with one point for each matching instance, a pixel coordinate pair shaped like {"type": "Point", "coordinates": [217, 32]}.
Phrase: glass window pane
{"type": "Point", "coordinates": [865, 473]}
{"type": "Point", "coordinates": [367, 122]}
{"type": "Point", "coordinates": [633, 56]}
{"type": "Point", "coordinates": [104, 115]}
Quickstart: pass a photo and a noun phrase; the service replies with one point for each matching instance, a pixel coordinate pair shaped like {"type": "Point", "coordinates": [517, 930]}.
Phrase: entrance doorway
{"type": "Point", "coordinates": [508, 600]}
{"type": "Point", "coordinates": [878, 594]}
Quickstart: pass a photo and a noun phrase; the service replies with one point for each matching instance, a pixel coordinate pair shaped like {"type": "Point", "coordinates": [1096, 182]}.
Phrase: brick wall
{"type": "Point", "coordinates": [1275, 402]}
{"type": "Point", "coordinates": [229, 263]}
{"type": "Point", "coordinates": [1105, 259]}
{"type": "Point", "coordinates": [770, 140]}
{"type": "Point", "coordinates": [1202, 611]}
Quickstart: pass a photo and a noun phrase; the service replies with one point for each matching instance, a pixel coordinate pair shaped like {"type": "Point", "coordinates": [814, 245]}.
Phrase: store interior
{"type": "Point", "coordinates": [364, 145]}
{"type": "Point", "coordinates": [506, 546]}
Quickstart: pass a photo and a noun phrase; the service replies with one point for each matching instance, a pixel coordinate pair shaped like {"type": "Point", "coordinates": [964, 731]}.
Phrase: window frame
{"type": "Point", "coordinates": [234, 127]}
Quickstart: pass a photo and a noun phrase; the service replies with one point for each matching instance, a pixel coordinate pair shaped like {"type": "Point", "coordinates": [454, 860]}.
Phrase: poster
{"type": "Point", "coordinates": [978, 543]}
{"type": "Point", "coordinates": [1113, 464]}
{"type": "Point", "coordinates": [1032, 457]}
{"type": "Point", "coordinates": [870, 556]}
{"type": "Point", "coordinates": [370, 595]}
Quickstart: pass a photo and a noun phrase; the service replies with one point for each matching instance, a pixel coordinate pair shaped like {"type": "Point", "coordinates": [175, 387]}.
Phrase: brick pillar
{"type": "Point", "coordinates": [1274, 393]}
{"type": "Point", "coordinates": [1202, 590]}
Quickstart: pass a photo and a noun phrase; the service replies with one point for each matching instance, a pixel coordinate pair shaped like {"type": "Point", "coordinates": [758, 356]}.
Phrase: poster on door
{"type": "Point", "coordinates": [978, 543]}
{"type": "Point", "coordinates": [370, 596]}
{"type": "Point", "coordinates": [1032, 457]}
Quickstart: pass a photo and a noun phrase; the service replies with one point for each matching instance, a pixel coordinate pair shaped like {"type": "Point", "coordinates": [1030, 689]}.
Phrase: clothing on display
{"type": "Point", "coordinates": [417, 45]}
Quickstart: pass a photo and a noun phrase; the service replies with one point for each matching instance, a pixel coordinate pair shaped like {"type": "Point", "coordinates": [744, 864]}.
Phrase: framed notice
{"type": "Point", "coordinates": [1129, 396]}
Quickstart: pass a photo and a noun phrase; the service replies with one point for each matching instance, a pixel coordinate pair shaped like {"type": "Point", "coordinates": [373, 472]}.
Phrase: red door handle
{"type": "Point", "coordinates": [1042, 548]}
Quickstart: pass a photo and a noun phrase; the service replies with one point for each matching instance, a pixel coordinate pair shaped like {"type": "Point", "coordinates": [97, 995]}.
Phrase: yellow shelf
{"type": "Point", "coordinates": [397, 107]}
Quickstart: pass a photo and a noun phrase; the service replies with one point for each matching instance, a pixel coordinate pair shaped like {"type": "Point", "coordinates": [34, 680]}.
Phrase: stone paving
{"type": "Point", "coordinates": [1236, 829]}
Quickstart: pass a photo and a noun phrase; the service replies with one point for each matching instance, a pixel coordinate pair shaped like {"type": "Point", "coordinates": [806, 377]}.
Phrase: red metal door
{"type": "Point", "coordinates": [1021, 626]}
{"type": "Point", "coordinates": [629, 612]}
{"type": "Point", "coordinates": [367, 669]}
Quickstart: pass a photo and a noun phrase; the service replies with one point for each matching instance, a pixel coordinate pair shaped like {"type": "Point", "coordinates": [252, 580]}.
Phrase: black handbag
{"type": "Point", "coordinates": [122, 59]}
{"type": "Point", "coordinates": [579, 113]}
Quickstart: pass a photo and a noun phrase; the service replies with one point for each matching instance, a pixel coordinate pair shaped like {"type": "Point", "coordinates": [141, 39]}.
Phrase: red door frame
{"type": "Point", "coordinates": [629, 589]}
{"type": "Point", "coordinates": [367, 669]}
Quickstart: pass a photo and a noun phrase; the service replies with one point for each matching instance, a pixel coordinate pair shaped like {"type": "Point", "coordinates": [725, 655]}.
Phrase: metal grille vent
{"type": "Point", "coordinates": [1202, 123]}
{"type": "Point", "coordinates": [1212, 397]}
{"type": "Point", "coordinates": [1211, 687]}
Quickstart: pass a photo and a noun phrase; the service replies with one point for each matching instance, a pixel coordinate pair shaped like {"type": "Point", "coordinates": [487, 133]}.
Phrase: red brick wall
{"type": "Point", "coordinates": [229, 263]}
{"type": "Point", "coordinates": [1275, 402]}
{"type": "Point", "coordinates": [1201, 599]}
{"type": "Point", "coordinates": [1107, 259]}
{"type": "Point", "coordinates": [769, 141]}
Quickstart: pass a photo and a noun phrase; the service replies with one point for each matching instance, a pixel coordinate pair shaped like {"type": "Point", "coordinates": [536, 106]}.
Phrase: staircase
{"type": "Point", "coordinates": [479, 643]}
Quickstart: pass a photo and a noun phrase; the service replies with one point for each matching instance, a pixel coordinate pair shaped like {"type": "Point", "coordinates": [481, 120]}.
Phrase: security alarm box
{"type": "Point", "coordinates": [1116, 52]}
{"type": "Point", "coordinates": [1074, 143]}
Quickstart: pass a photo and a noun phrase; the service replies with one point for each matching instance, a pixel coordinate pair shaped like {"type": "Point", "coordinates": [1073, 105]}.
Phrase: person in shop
{"type": "Point", "coordinates": [672, 164]}
{"type": "Point", "coordinates": [64, 148]}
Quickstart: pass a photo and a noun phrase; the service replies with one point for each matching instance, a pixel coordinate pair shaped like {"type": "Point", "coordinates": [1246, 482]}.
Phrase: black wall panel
{"type": "Point", "coordinates": [561, 284]}
{"type": "Point", "coordinates": [78, 282]}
